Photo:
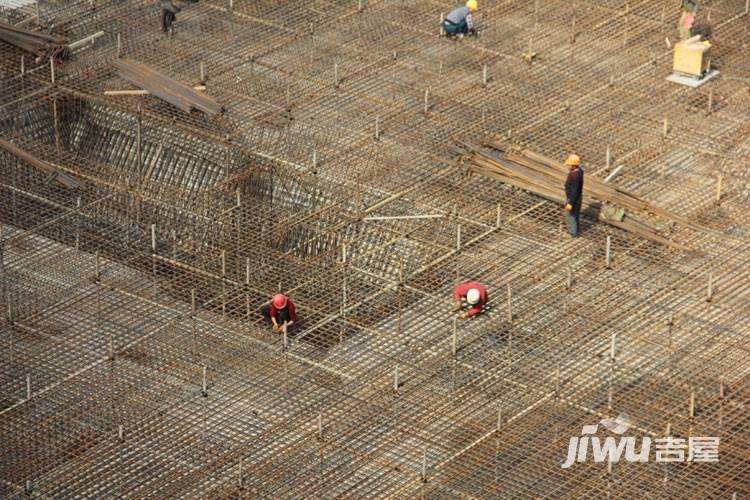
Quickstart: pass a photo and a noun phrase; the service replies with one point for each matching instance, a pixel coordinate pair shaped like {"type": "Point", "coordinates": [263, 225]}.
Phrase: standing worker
{"type": "Point", "coordinates": [475, 295]}
{"type": "Point", "coordinates": [573, 194]}
{"type": "Point", "coordinates": [459, 22]}
{"type": "Point", "coordinates": [280, 313]}
{"type": "Point", "coordinates": [168, 14]}
{"type": "Point", "coordinates": [687, 19]}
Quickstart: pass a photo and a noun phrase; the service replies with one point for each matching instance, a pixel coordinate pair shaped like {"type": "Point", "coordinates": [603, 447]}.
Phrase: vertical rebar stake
{"type": "Point", "coordinates": [119, 45]}
{"type": "Point", "coordinates": [484, 75]}
{"type": "Point", "coordinates": [204, 392]}
{"type": "Point", "coordinates": [426, 100]}
{"type": "Point", "coordinates": [52, 69]}
{"type": "Point", "coordinates": [719, 182]}
{"type": "Point", "coordinates": [28, 386]}
{"type": "Point", "coordinates": [710, 291]}
{"type": "Point", "coordinates": [692, 404]}
{"type": "Point", "coordinates": [608, 254]}
{"type": "Point", "coordinates": [510, 304]}
{"type": "Point", "coordinates": [377, 128]}
{"type": "Point", "coordinates": [454, 341]}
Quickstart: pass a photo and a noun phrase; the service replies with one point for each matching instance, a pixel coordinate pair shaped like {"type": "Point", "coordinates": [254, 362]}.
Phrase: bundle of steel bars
{"type": "Point", "coordinates": [40, 44]}
{"type": "Point", "coordinates": [168, 89]}
{"type": "Point", "coordinates": [545, 177]}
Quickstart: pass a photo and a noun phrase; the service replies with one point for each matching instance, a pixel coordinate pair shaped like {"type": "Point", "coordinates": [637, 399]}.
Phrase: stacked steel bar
{"type": "Point", "coordinates": [175, 93]}
{"type": "Point", "coordinates": [39, 44]}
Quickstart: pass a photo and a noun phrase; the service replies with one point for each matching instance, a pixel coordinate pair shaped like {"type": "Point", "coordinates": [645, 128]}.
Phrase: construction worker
{"type": "Point", "coordinates": [280, 313]}
{"type": "Point", "coordinates": [687, 19]}
{"type": "Point", "coordinates": [475, 295]}
{"type": "Point", "coordinates": [459, 22]}
{"type": "Point", "coordinates": [168, 14]}
{"type": "Point", "coordinates": [573, 193]}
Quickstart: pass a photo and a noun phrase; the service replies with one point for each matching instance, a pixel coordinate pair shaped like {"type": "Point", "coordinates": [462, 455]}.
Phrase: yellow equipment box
{"type": "Point", "coordinates": [692, 57]}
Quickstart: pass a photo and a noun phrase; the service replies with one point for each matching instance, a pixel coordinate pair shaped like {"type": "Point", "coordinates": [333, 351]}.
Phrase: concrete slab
{"type": "Point", "coordinates": [690, 81]}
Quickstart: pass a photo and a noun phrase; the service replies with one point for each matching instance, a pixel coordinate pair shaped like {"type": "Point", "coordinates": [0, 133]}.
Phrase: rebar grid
{"type": "Point", "coordinates": [130, 306]}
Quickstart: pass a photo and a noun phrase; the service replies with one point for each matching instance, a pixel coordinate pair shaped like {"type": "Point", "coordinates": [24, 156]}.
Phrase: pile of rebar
{"type": "Point", "coordinates": [168, 89]}
{"type": "Point", "coordinates": [545, 177]}
{"type": "Point", "coordinates": [39, 44]}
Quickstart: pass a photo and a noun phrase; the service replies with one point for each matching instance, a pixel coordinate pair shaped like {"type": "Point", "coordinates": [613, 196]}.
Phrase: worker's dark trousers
{"type": "Point", "coordinates": [167, 18]}
{"type": "Point", "coordinates": [571, 220]}
{"type": "Point", "coordinates": [455, 29]}
{"type": "Point", "coordinates": [282, 315]}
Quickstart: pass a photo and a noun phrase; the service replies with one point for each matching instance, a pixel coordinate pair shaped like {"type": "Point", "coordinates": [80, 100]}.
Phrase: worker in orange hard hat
{"type": "Point", "coordinates": [280, 313]}
{"type": "Point", "coordinates": [573, 193]}
{"type": "Point", "coordinates": [459, 21]}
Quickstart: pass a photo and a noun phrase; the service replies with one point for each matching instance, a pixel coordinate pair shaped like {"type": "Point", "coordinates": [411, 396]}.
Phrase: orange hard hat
{"type": "Point", "coordinates": [279, 301]}
{"type": "Point", "coordinates": [573, 161]}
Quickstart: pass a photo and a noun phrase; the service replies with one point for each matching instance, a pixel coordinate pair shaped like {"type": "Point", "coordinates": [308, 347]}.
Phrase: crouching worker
{"type": "Point", "coordinates": [279, 313]}
{"type": "Point", "coordinates": [475, 295]}
{"type": "Point", "coordinates": [459, 22]}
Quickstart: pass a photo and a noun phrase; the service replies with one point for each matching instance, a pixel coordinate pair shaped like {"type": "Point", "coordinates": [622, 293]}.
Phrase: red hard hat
{"type": "Point", "coordinates": [279, 301]}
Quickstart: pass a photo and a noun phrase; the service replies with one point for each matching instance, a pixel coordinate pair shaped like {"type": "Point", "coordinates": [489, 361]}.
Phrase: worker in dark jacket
{"type": "Point", "coordinates": [280, 313]}
{"type": "Point", "coordinates": [168, 14]}
{"type": "Point", "coordinates": [459, 22]}
{"type": "Point", "coordinates": [475, 295]}
{"type": "Point", "coordinates": [573, 194]}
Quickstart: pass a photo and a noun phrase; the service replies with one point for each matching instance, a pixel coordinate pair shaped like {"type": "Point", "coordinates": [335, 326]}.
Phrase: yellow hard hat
{"type": "Point", "coordinates": [573, 161]}
{"type": "Point", "coordinates": [472, 5]}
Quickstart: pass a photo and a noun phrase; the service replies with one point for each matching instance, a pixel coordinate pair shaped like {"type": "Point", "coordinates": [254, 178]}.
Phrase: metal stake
{"type": "Point", "coordinates": [454, 342]}
{"type": "Point", "coordinates": [718, 188]}
{"type": "Point", "coordinates": [510, 305]}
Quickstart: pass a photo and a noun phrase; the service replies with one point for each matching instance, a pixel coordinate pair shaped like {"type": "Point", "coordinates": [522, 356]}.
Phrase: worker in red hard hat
{"type": "Point", "coordinates": [280, 312]}
{"type": "Point", "coordinates": [475, 295]}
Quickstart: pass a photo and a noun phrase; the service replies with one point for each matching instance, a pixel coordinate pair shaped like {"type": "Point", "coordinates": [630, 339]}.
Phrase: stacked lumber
{"type": "Point", "coordinates": [545, 177]}
{"type": "Point", "coordinates": [163, 87]}
{"type": "Point", "coordinates": [39, 44]}
{"type": "Point", "coordinates": [41, 165]}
